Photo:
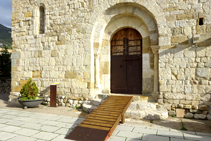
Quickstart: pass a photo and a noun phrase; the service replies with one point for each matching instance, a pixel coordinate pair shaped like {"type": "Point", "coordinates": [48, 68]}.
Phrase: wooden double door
{"type": "Point", "coordinates": [126, 62]}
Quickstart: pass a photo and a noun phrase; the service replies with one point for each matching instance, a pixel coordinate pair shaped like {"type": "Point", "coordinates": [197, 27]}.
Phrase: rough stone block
{"type": "Point", "coordinates": [54, 53]}
{"type": "Point", "coordinates": [209, 116]}
{"type": "Point", "coordinates": [18, 89]}
{"type": "Point", "coordinates": [133, 106]}
{"type": "Point", "coordinates": [171, 113]}
{"type": "Point", "coordinates": [174, 96]}
{"type": "Point", "coordinates": [194, 110]}
{"type": "Point", "coordinates": [71, 74]}
{"type": "Point", "coordinates": [36, 74]}
{"type": "Point", "coordinates": [189, 115]}
{"type": "Point", "coordinates": [22, 82]}
{"type": "Point", "coordinates": [203, 107]}
{"type": "Point", "coordinates": [135, 114]}
{"type": "Point", "coordinates": [200, 116]}
{"type": "Point", "coordinates": [187, 106]}
{"type": "Point", "coordinates": [180, 112]}
{"type": "Point", "coordinates": [167, 106]}
{"type": "Point", "coordinates": [28, 14]}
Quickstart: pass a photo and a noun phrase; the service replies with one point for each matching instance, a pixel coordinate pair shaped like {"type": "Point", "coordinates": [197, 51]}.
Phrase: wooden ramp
{"type": "Point", "coordinates": [101, 123]}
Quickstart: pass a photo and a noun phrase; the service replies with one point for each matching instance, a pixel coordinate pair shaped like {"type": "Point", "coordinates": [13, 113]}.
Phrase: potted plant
{"type": "Point", "coordinates": [29, 94]}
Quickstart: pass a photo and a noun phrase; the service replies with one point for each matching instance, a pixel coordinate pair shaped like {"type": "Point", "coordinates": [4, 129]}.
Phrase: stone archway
{"type": "Point", "coordinates": [114, 19]}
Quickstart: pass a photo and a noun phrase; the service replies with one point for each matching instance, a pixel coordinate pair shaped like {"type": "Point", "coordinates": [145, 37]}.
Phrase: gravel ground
{"type": "Point", "coordinates": [174, 123]}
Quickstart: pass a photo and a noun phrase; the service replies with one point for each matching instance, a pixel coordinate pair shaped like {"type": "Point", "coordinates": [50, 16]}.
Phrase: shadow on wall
{"type": "Point", "coordinates": [184, 45]}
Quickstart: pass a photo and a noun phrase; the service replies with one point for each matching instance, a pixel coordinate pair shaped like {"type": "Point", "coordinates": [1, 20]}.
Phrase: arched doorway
{"type": "Point", "coordinates": [126, 62]}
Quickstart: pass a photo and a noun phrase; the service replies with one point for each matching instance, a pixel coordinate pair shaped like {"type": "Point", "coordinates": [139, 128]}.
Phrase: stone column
{"type": "Point", "coordinates": [155, 52]}
{"type": "Point", "coordinates": [97, 73]}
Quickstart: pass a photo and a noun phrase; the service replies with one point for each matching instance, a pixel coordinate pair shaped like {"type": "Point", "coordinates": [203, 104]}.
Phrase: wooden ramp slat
{"type": "Point", "coordinates": [101, 123]}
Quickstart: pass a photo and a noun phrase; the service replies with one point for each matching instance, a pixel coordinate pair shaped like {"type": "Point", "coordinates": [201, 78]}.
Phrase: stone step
{"type": "Point", "coordinates": [139, 105]}
{"type": "Point", "coordinates": [88, 108]}
{"type": "Point", "coordinates": [147, 114]}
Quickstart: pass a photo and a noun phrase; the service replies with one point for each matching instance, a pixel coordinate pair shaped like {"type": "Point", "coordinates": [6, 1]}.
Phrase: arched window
{"type": "Point", "coordinates": [42, 20]}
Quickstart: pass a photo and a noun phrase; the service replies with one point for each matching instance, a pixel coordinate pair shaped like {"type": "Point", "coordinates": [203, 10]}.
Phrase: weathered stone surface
{"type": "Point", "coordinates": [203, 107]}
{"type": "Point", "coordinates": [187, 106]}
{"type": "Point", "coordinates": [189, 115]}
{"type": "Point", "coordinates": [174, 96]}
{"type": "Point", "coordinates": [206, 97]}
{"type": "Point", "coordinates": [136, 115]}
{"type": "Point", "coordinates": [133, 106]}
{"type": "Point", "coordinates": [180, 112]}
{"type": "Point", "coordinates": [200, 116]}
{"type": "Point", "coordinates": [36, 74]}
{"type": "Point", "coordinates": [22, 82]}
{"type": "Point", "coordinates": [203, 72]}
{"type": "Point", "coordinates": [71, 74]}
{"type": "Point", "coordinates": [167, 106]}
{"type": "Point", "coordinates": [172, 113]}
{"type": "Point", "coordinates": [54, 53]}
{"type": "Point", "coordinates": [209, 116]}
{"type": "Point", "coordinates": [145, 106]}
{"type": "Point", "coordinates": [28, 14]}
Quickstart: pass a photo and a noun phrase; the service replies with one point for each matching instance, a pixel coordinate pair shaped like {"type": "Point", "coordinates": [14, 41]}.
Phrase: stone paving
{"type": "Point", "coordinates": [18, 125]}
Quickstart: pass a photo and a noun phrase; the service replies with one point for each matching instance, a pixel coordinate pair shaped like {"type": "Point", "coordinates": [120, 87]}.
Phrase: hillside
{"type": "Point", "coordinates": [5, 35]}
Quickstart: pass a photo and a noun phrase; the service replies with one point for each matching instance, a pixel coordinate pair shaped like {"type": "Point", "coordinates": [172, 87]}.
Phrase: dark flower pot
{"type": "Point", "coordinates": [30, 103]}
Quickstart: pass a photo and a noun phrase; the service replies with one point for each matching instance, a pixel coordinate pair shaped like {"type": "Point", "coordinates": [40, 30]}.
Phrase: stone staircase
{"type": "Point", "coordinates": [142, 107]}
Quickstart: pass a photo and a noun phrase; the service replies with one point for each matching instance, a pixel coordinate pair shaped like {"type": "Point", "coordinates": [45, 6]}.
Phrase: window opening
{"type": "Point", "coordinates": [42, 20]}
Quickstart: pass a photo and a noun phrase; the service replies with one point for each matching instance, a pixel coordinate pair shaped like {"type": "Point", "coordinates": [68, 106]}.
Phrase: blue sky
{"type": "Point", "coordinates": [6, 12]}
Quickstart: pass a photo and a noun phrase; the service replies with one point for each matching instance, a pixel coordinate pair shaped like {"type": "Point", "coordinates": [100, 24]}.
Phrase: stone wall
{"type": "Point", "coordinates": [75, 48]}
{"type": "Point", "coordinates": [5, 85]}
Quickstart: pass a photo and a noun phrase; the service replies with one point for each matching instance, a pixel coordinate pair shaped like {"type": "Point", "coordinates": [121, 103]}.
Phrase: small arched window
{"type": "Point", "coordinates": [42, 20]}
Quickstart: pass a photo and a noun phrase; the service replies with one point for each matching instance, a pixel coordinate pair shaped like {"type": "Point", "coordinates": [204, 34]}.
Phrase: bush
{"type": "Point", "coordinates": [29, 91]}
{"type": "Point", "coordinates": [5, 62]}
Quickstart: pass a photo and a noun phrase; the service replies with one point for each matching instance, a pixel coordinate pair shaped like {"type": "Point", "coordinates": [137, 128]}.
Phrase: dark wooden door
{"type": "Point", "coordinates": [126, 62]}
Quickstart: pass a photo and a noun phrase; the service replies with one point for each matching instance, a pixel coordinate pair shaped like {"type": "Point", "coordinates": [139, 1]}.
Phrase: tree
{"type": "Point", "coordinates": [5, 62]}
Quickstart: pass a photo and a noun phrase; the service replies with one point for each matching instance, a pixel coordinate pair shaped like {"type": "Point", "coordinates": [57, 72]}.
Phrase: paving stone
{"type": "Point", "coordinates": [115, 132]}
{"type": "Point", "coordinates": [5, 136]}
{"type": "Point", "coordinates": [22, 138]}
{"type": "Point", "coordinates": [146, 131]}
{"type": "Point", "coordinates": [10, 129]}
{"type": "Point", "coordinates": [130, 134]}
{"type": "Point", "coordinates": [2, 125]}
{"type": "Point", "coordinates": [67, 120]}
{"type": "Point", "coordinates": [176, 139]}
{"type": "Point", "coordinates": [27, 132]}
{"type": "Point", "coordinates": [124, 128]}
{"type": "Point", "coordinates": [61, 138]}
{"type": "Point", "coordinates": [115, 138]}
{"type": "Point", "coordinates": [5, 120]}
{"type": "Point", "coordinates": [32, 126]}
{"type": "Point", "coordinates": [203, 134]}
{"type": "Point", "coordinates": [15, 123]}
{"type": "Point", "coordinates": [53, 123]}
{"type": "Point", "coordinates": [67, 125]}
{"type": "Point", "coordinates": [8, 116]}
{"type": "Point", "coordinates": [149, 137]}
{"type": "Point", "coordinates": [49, 128]}
{"type": "Point", "coordinates": [45, 135]}
{"type": "Point", "coordinates": [196, 137]}
{"type": "Point", "coordinates": [64, 131]}
{"type": "Point", "coordinates": [131, 139]}
{"type": "Point", "coordinates": [170, 134]}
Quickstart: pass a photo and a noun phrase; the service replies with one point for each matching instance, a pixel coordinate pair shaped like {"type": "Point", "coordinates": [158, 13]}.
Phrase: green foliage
{"type": "Point", "coordinates": [5, 62]}
{"type": "Point", "coordinates": [183, 127]}
{"type": "Point", "coordinates": [5, 35]}
{"type": "Point", "coordinates": [29, 91]}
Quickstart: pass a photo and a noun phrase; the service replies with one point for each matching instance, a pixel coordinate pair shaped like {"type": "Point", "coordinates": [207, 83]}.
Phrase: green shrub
{"type": "Point", "coordinates": [5, 62]}
{"type": "Point", "coordinates": [29, 91]}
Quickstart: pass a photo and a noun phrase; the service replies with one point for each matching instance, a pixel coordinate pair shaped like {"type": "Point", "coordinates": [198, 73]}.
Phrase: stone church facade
{"type": "Point", "coordinates": [146, 47]}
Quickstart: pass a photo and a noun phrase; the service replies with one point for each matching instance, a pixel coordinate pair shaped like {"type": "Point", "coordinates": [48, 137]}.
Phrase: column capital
{"type": "Point", "coordinates": [155, 49]}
